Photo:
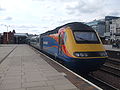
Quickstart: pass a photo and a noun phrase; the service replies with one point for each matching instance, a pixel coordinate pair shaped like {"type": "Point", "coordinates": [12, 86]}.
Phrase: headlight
{"type": "Point", "coordinates": [78, 54]}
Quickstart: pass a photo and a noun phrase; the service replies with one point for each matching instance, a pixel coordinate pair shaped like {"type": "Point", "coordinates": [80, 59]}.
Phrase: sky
{"type": "Point", "coordinates": [39, 16]}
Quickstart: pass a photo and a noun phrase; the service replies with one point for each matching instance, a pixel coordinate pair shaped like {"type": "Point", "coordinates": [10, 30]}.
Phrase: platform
{"type": "Point", "coordinates": [110, 48]}
{"type": "Point", "coordinates": [24, 69]}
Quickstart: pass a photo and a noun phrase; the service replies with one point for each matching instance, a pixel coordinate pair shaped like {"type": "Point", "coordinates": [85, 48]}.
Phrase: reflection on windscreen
{"type": "Point", "coordinates": [85, 36]}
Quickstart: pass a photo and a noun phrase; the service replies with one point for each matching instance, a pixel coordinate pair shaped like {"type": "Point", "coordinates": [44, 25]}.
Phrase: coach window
{"type": "Point", "coordinates": [65, 37]}
{"type": "Point", "coordinates": [38, 40]}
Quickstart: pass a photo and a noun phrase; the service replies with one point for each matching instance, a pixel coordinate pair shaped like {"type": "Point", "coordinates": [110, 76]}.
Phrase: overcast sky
{"type": "Point", "coordinates": [38, 16]}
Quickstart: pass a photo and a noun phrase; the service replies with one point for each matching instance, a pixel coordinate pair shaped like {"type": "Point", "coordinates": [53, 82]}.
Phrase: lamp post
{"type": "Point", "coordinates": [7, 30]}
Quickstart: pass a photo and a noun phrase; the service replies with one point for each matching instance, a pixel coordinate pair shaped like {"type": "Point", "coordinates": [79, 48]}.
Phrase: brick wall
{"type": "Point", "coordinates": [8, 37]}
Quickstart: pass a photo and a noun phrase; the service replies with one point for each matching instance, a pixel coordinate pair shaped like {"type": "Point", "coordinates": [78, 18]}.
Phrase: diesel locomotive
{"type": "Point", "coordinates": [76, 44]}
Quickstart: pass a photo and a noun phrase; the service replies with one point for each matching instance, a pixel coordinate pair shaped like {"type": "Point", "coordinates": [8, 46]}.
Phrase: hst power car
{"type": "Point", "coordinates": [77, 45]}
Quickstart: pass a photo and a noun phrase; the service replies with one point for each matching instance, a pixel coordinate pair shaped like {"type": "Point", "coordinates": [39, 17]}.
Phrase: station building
{"type": "Point", "coordinates": [20, 38]}
{"type": "Point", "coordinates": [115, 29]}
{"type": "Point", "coordinates": [8, 37]}
{"type": "Point", "coordinates": [107, 28]}
{"type": "Point", "coordinates": [109, 25]}
{"type": "Point", "coordinates": [13, 38]}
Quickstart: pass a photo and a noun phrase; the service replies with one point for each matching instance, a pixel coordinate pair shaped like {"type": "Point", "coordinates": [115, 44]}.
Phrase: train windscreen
{"type": "Point", "coordinates": [86, 37]}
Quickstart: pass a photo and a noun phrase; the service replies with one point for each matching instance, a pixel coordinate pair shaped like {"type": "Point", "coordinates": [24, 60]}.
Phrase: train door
{"type": "Point", "coordinates": [61, 42]}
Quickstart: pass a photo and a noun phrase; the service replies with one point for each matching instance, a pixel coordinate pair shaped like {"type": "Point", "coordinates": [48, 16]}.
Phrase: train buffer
{"type": "Point", "coordinates": [21, 68]}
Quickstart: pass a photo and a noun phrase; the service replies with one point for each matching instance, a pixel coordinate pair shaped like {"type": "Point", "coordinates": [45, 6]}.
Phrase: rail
{"type": "Point", "coordinates": [112, 70]}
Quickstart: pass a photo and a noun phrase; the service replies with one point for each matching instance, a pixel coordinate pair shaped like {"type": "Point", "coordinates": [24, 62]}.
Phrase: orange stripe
{"type": "Point", "coordinates": [51, 47]}
{"type": "Point", "coordinates": [65, 51]}
{"type": "Point", "coordinates": [54, 36]}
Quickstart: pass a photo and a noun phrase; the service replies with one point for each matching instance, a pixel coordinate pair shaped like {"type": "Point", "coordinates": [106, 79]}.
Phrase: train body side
{"type": "Point", "coordinates": [68, 46]}
{"type": "Point", "coordinates": [50, 44]}
{"type": "Point", "coordinates": [35, 42]}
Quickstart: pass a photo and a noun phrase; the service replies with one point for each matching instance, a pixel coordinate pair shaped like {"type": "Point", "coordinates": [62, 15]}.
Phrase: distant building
{"type": "Point", "coordinates": [108, 22]}
{"type": "Point", "coordinates": [20, 38]}
{"type": "Point", "coordinates": [115, 29]}
{"type": "Point", "coordinates": [13, 38]}
{"type": "Point", "coordinates": [108, 28]}
{"type": "Point", "coordinates": [99, 26]}
{"type": "Point", "coordinates": [8, 38]}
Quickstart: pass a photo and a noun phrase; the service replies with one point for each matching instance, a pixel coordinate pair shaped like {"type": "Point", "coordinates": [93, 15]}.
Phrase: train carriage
{"type": "Point", "coordinates": [76, 44]}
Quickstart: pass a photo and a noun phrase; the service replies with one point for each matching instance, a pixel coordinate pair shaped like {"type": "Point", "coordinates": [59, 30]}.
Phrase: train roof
{"type": "Point", "coordinates": [74, 26]}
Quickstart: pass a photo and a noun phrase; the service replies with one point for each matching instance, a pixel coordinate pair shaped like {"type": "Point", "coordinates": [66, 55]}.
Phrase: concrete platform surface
{"type": "Point", "coordinates": [23, 69]}
{"type": "Point", "coordinates": [5, 50]}
{"type": "Point", "coordinates": [109, 47]}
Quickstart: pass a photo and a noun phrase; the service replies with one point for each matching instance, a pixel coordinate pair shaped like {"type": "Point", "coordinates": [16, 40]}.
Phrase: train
{"type": "Point", "coordinates": [75, 44]}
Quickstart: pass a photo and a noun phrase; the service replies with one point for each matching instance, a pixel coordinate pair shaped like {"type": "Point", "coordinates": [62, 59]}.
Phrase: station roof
{"type": "Point", "coordinates": [21, 34]}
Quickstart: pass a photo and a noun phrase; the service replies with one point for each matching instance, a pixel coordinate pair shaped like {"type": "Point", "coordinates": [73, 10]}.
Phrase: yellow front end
{"type": "Point", "coordinates": [72, 46]}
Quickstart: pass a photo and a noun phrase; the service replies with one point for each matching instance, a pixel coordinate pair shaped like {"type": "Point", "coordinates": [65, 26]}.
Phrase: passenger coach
{"type": "Point", "coordinates": [77, 45]}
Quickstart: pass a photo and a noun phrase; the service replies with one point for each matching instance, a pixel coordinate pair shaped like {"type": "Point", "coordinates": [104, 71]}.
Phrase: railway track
{"type": "Point", "coordinates": [110, 80]}
{"type": "Point", "coordinates": [112, 70]}
{"type": "Point", "coordinates": [109, 74]}
{"type": "Point", "coordinates": [101, 83]}
{"type": "Point", "coordinates": [113, 61]}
